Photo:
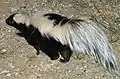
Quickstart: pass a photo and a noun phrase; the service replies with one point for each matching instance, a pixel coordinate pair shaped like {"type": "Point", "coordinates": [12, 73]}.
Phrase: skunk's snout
{"type": "Point", "coordinates": [10, 20]}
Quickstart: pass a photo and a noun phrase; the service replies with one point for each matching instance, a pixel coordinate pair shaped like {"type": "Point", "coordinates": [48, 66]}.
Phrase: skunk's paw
{"type": "Point", "coordinates": [63, 60]}
{"type": "Point", "coordinates": [54, 57]}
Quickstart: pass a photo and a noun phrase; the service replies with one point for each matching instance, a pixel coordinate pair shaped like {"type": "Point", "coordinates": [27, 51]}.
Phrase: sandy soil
{"type": "Point", "coordinates": [18, 60]}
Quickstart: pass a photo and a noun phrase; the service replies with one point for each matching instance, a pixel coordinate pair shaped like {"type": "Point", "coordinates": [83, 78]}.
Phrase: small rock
{"type": "Point", "coordinates": [8, 74]}
{"type": "Point", "coordinates": [35, 66]}
{"type": "Point", "coordinates": [96, 77]}
{"type": "Point", "coordinates": [11, 65]}
{"type": "Point", "coordinates": [81, 68]}
{"type": "Point", "coordinates": [4, 15]}
{"type": "Point", "coordinates": [38, 75]}
{"type": "Point", "coordinates": [9, 31]}
{"type": "Point", "coordinates": [85, 66]}
{"type": "Point", "coordinates": [16, 73]}
{"type": "Point", "coordinates": [4, 71]}
{"type": "Point", "coordinates": [4, 50]}
{"type": "Point", "coordinates": [32, 77]}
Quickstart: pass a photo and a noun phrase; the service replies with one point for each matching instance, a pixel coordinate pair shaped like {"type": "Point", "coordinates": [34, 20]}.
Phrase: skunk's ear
{"type": "Point", "coordinates": [10, 20]}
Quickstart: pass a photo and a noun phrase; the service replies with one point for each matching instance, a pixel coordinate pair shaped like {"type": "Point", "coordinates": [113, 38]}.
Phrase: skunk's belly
{"type": "Point", "coordinates": [53, 48]}
{"type": "Point", "coordinates": [49, 46]}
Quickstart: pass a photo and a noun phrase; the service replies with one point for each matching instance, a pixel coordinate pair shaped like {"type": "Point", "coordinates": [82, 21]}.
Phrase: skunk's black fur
{"type": "Point", "coordinates": [47, 45]}
{"type": "Point", "coordinates": [57, 18]}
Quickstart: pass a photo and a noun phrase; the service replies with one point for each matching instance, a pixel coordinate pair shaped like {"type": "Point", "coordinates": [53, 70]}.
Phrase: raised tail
{"type": "Point", "coordinates": [86, 36]}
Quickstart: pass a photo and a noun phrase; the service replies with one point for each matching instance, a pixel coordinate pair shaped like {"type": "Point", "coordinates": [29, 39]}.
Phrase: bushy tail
{"type": "Point", "coordinates": [85, 36]}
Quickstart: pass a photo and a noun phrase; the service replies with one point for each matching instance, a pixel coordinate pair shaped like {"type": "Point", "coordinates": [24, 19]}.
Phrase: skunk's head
{"type": "Point", "coordinates": [10, 21]}
{"type": "Point", "coordinates": [18, 21]}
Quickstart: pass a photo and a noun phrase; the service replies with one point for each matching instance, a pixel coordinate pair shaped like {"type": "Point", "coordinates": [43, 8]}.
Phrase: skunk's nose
{"type": "Point", "coordinates": [10, 20]}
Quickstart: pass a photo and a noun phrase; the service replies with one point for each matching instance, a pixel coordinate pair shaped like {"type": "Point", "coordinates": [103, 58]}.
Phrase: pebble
{"type": "Point", "coordinates": [4, 15]}
{"type": "Point", "coordinates": [38, 75]}
{"type": "Point", "coordinates": [11, 65]}
{"type": "Point", "coordinates": [16, 73]}
{"type": "Point", "coordinates": [4, 50]}
{"type": "Point", "coordinates": [8, 74]}
{"type": "Point", "coordinates": [4, 71]}
{"type": "Point", "coordinates": [9, 31]}
{"type": "Point", "coordinates": [81, 68]}
{"type": "Point", "coordinates": [96, 77]}
{"type": "Point", "coordinates": [32, 77]}
{"type": "Point", "coordinates": [35, 66]}
{"type": "Point", "coordinates": [85, 67]}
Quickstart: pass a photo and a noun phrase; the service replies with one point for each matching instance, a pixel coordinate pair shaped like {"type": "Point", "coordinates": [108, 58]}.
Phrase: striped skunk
{"type": "Point", "coordinates": [55, 34]}
{"type": "Point", "coordinates": [32, 35]}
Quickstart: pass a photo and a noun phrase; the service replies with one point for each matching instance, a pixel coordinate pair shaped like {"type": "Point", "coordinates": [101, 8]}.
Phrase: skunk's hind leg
{"type": "Point", "coordinates": [52, 54]}
{"type": "Point", "coordinates": [66, 53]}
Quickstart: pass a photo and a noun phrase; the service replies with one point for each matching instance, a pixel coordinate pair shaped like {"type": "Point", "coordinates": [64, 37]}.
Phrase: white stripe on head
{"type": "Point", "coordinates": [21, 18]}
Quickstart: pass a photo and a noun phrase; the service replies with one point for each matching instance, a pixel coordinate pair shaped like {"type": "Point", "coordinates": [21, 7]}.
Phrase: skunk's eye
{"type": "Point", "coordinates": [12, 22]}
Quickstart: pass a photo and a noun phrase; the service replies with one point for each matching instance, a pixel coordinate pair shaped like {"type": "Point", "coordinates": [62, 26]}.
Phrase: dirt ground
{"type": "Point", "coordinates": [18, 60]}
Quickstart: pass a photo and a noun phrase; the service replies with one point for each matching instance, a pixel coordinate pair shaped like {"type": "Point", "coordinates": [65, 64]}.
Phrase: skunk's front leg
{"type": "Point", "coordinates": [54, 57]}
{"type": "Point", "coordinates": [66, 53]}
{"type": "Point", "coordinates": [37, 49]}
